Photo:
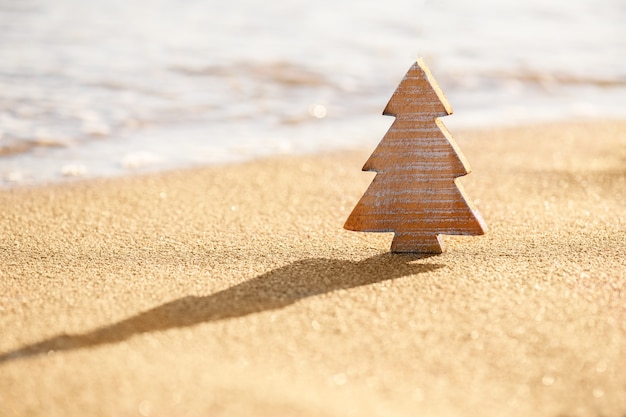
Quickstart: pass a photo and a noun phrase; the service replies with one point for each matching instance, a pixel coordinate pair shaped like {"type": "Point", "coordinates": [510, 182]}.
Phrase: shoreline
{"type": "Point", "coordinates": [138, 162]}
{"type": "Point", "coordinates": [233, 289]}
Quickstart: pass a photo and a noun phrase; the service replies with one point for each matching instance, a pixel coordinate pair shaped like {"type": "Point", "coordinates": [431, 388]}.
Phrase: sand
{"type": "Point", "coordinates": [234, 290]}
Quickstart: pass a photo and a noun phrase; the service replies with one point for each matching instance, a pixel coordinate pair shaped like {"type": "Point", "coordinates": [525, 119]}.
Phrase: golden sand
{"type": "Point", "coordinates": [234, 291]}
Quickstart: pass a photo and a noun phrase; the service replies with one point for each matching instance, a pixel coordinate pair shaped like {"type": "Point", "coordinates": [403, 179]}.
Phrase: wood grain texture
{"type": "Point", "coordinates": [415, 194]}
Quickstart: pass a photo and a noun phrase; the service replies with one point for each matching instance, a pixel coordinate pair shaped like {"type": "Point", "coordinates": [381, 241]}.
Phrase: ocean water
{"type": "Point", "coordinates": [113, 87]}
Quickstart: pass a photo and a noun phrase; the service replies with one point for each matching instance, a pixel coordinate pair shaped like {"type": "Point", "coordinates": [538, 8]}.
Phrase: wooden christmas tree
{"type": "Point", "coordinates": [414, 193]}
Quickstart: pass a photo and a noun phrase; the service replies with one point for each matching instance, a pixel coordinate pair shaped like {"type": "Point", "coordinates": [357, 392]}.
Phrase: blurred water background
{"type": "Point", "coordinates": [111, 87]}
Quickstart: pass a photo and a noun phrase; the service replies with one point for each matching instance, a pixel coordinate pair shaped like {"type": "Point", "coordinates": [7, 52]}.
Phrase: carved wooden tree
{"type": "Point", "coordinates": [414, 193]}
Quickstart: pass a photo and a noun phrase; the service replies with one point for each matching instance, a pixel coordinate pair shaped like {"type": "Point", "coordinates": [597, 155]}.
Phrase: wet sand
{"type": "Point", "coordinates": [234, 290]}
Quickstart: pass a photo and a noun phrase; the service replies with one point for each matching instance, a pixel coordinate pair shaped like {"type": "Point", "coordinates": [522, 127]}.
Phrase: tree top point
{"type": "Point", "coordinates": [418, 92]}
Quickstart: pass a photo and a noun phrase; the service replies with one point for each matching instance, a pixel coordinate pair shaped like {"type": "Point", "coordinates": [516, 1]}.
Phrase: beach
{"type": "Point", "coordinates": [232, 290]}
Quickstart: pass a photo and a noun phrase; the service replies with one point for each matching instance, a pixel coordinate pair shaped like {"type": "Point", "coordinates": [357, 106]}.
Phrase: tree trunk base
{"type": "Point", "coordinates": [414, 243]}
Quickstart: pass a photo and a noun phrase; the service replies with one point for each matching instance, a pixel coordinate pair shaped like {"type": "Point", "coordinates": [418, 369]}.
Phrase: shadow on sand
{"type": "Point", "coordinates": [273, 290]}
